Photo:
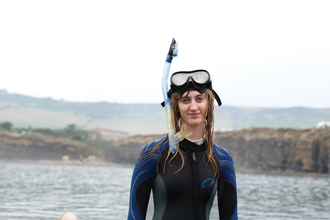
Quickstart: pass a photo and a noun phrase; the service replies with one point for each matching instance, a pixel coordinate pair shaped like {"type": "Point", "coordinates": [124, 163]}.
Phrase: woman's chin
{"type": "Point", "coordinates": [195, 123]}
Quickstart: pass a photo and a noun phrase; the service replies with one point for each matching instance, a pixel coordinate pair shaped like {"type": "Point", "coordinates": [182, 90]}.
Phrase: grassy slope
{"type": "Point", "coordinates": [24, 111]}
{"type": "Point", "coordinates": [40, 140]}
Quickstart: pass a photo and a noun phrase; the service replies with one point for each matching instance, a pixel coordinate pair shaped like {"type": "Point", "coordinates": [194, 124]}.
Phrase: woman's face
{"type": "Point", "coordinates": [193, 108]}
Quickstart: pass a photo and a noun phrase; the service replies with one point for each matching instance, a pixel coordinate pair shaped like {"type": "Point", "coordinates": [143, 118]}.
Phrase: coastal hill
{"type": "Point", "coordinates": [14, 147]}
{"type": "Point", "coordinates": [26, 111]}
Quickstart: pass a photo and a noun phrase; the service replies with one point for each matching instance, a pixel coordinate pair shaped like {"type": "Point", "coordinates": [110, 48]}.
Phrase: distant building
{"type": "Point", "coordinates": [323, 124]}
{"type": "Point", "coordinates": [106, 134]}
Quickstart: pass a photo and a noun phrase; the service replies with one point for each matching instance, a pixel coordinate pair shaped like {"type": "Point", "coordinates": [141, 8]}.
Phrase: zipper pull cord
{"type": "Point", "coordinates": [193, 156]}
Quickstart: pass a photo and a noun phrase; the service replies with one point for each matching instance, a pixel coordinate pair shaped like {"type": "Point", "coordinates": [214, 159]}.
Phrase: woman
{"type": "Point", "coordinates": [185, 183]}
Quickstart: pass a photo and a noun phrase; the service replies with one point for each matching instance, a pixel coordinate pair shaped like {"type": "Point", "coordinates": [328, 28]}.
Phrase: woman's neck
{"type": "Point", "coordinates": [197, 132]}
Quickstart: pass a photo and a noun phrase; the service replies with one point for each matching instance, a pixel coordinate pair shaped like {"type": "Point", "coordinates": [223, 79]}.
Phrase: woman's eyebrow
{"type": "Point", "coordinates": [184, 97]}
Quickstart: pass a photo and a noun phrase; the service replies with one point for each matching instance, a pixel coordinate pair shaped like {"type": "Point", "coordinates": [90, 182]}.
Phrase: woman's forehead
{"type": "Point", "coordinates": [192, 93]}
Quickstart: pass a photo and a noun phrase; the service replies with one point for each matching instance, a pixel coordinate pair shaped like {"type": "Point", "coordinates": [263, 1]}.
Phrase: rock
{"type": "Point", "coordinates": [14, 146]}
{"type": "Point", "coordinates": [91, 158]}
{"type": "Point", "coordinates": [285, 149]}
{"type": "Point", "coordinates": [255, 149]}
{"type": "Point", "coordinates": [66, 158]}
{"type": "Point", "coordinates": [125, 151]}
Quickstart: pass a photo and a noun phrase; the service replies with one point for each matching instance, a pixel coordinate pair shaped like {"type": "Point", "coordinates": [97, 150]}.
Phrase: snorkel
{"type": "Point", "coordinates": [174, 138]}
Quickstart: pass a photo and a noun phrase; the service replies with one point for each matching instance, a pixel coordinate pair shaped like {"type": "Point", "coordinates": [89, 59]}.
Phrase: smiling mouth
{"type": "Point", "coordinates": [194, 114]}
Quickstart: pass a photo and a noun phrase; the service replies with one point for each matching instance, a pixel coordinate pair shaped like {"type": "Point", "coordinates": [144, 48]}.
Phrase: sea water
{"type": "Point", "coordinates": [43, 191]}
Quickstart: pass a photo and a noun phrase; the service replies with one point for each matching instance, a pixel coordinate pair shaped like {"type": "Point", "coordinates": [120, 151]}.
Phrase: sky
{"type": "Point", "coordinates": [259, 53]}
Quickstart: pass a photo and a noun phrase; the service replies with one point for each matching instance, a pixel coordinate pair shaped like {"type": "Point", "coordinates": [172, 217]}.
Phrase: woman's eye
{"type": "Point", "coordinates": [200, 99]}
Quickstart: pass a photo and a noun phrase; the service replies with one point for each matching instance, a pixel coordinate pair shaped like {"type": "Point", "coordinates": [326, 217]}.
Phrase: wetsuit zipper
{"type": "Point", "coordinates": [193, 156]}
{"type": "Point", "coordinates": [195, 180]}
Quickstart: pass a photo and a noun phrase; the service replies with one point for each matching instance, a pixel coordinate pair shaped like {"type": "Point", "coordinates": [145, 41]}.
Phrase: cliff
{"type": "Point", "coordinates": [255, 149]}
{"type": "Point", "coordinates": [268, 149]}
{"type": "Point", "coordinates": [125, 151]}
{"type": "Point", "coordinates": [15, 146]}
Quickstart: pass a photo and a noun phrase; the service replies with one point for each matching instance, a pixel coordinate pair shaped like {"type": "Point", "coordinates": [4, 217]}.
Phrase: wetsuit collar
{"type": "Point", "coordinates": [199, 141]}
{"type": "Point", "coordinates": [188, 145]}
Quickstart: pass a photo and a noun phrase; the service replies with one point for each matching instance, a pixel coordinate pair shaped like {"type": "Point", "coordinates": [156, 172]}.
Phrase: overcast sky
{"type": "Point", "coordinates": [259, 53]}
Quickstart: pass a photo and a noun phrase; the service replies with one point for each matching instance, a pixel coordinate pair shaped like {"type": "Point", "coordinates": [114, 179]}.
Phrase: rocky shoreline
{"type": "Point", "coordinates": [254, 150]}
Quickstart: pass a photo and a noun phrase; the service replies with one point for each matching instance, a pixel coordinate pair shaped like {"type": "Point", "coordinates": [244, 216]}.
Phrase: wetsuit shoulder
{"type": "Point", "coordinates": [142, 178]}
{"type": "Point", "coordinates": [145, 151]}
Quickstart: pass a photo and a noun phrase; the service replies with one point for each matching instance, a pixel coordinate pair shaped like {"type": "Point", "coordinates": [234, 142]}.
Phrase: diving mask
{"type": "Point", "coordinates": [198, 80]}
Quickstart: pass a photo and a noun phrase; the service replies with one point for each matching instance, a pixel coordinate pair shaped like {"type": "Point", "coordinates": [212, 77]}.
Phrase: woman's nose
{"type": "Point", "coordinates": [193, 106]}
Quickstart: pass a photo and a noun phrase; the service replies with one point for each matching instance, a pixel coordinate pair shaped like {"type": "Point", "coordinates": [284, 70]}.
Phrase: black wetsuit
{"type": "Point", "coordinates": [187, 194]}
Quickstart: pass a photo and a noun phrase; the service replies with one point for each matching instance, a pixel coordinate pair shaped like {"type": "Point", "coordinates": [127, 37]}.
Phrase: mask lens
{"type": "Point", "coordinates": [200, 77]}
{"type": "Point", "coordinates": [179, 79]}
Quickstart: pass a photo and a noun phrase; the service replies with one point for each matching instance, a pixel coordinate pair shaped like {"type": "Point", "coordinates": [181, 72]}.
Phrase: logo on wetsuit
{"type": "Point", "coordinates": [207, 182]}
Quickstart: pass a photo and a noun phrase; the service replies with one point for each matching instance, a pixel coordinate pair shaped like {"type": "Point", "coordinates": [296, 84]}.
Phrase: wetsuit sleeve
{"type": "Point", "coordinates": [142, 180]}
{"type": "Point", "coordinates": [227, 191]}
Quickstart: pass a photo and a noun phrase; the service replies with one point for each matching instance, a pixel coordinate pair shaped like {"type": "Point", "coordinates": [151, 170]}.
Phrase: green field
{"type": "Point", "coordinates": [25, 111]}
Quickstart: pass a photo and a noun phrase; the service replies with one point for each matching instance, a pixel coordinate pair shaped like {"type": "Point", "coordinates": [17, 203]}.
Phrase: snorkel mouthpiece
{"type": "Point", "coordinates": [173, 138]}
{"type": "Point", "coordinates": [176, 138]}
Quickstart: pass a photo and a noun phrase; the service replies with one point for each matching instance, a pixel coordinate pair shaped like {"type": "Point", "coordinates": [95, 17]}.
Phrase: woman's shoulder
{"type": "Point", "coordinates": [154, 143]}
{"type": "Point", "coordinates": [149, 147]}
{"type": "Point", "coordinates": [221, 152]}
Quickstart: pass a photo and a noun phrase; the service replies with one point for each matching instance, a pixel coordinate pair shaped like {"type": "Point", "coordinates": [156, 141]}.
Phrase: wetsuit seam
{"type": "Point", "coordinates": [197, 191]}
{"type": "Point", "coordinates": [196, 185]}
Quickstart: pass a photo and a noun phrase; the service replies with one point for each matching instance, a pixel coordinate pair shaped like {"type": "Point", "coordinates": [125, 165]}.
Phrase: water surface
{"type": "Point", "coordinates": [43, 191]}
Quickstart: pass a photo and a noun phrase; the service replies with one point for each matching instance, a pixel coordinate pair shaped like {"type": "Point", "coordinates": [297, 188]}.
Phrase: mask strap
{"type": "Point", "coordinates": [216, 97]}
{"type": "Point", "coordinates": [169, 95]}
